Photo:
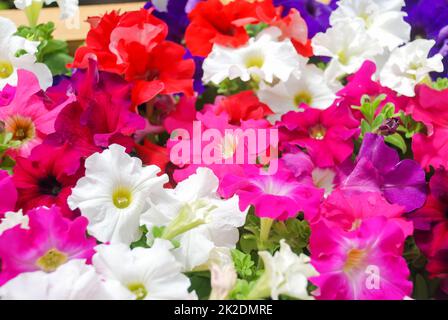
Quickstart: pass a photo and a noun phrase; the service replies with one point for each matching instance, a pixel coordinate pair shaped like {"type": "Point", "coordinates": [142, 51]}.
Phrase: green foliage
{"type": "Point", "coordinates": [228, 87]}
{"type": "Point", "coordinates": [201, 283]}
{"type": "Point", "coordinates": [241, 290]}
{"type": "Point", "coordinates": [52, 52]}
{"type": "Point", "coordinates": [296, 233]}
{"type": "Point", "coordinates": [381, 122]}
{"type": "Point", "coordinates": [440, 84]}
{"type": "Point", "coordinates": [244, 265]}
{"type": "Point", "coordinates": [142, 242]}
{"type": "Point", "coordinates": [254, 29]}
{"type": "Point", "coordinates": [6, 142]}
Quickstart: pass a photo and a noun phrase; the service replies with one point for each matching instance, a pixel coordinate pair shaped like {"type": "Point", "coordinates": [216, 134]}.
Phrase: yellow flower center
{"type": "Point", "coordinates": [355, 259]}
{"type": "Point", "coordinates": [303, 97]}
{"type": "Point", "coordinates": [317, 132]}
{"type": "Point", "coordinates": [22, 128]}
{"type": "Point", "coordinates": [122, 198]}
{"type": "Point", "coordinates": [6, 69]}
{"type": "Point", "coordinates": [256, 60]}
{"type": "Point", "coordinates": [343, 58]}
{"type": "Point", "coordinates": [51, 260]}
{"type": "Point", "coordinates": [139, 290]}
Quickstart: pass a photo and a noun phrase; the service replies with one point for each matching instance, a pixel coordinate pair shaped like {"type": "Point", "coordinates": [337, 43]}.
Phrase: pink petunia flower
{"type": "Point", "coordinates": [363, 264]}
{"type": "Point", "coordinates": [8, 193]}
{"type": "Point", "coordinates": [277, 196]}
{"type": "Point", "coordinates": [348, 210]}
{"type": "Point", "coordinates": [361, 83]}
{"type": "Point", "coordinates": [27, 116]}
{"type": "Point", "coordinates": [50, 241]}
{"type": "Point", "coordinates": [46, 178]}
{"type": "Point", "coordinates": [327, 135]}
{"type": "Point", "coordinates": [431, 150]}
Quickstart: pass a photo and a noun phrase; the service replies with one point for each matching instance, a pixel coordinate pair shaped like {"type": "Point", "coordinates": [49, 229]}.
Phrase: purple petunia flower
{"type": "Point", "coordinates": [316, 14]}
{"type": "Point", "coordinates": [175, 16]}
{"type": "Point", "coordinates": [378, 169]}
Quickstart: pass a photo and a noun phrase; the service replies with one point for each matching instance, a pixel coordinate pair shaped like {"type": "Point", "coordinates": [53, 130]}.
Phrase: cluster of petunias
{"type": "Point", "coordinates": [320, 170]}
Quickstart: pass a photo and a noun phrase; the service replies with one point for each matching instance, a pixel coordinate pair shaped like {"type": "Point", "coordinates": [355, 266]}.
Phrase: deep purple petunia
{"type": "Point", "coordinates": [378, 169]}
{"type": "Point", "coordinates": [315, 13]}
{"type": "Point", "coordinates": [175, 16]}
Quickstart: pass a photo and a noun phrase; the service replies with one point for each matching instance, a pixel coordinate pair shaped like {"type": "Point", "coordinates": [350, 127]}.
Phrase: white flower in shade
{"type": "Point", "coordinates": [383, 19]}
{"type": "Point", "coordinates": [285, 273]}
{"type": "Point", "coordinates": [263, 58]}
{"type": "Point", "coordinates": [68, 7]}
{"type": "Point", "coordinates": [409, 65]}
{"type": "Point", "coordinates": [223, 273]}
{"type": "Point", "coordinates": [308, 88]}
{"type": "Point", "coordinates": [147, 274]}
{"type": "Point", "coordinates": [12, 219]}
{"type": "Point", "coordinates": [348, 45]}
{"type": "Point", "coordinates": [72, 281]}
{"type": "Point", "coordinates": [195, 216]}
{"type": "Point", "coordinates": [113, 194]}
{"type": "Point", "coordinates": [10, 45]}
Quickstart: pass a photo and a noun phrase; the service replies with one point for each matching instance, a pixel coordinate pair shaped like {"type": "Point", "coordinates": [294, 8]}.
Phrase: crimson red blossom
{"type": "Point", "coordinates": [133, 44]}
{"type": "Point", "coordinates": [327, 135]}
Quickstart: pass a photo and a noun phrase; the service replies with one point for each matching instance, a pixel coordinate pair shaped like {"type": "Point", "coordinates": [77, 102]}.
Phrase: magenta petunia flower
{"type": "Point", "coordinates": [327, 135]}
{"type": "Point", "coordinates": [431, 150]}
{"type": "Point", "coordinates": [8, 192]}
{"type": "Point", "coordinates": [101, 115]}
{"type": "Point", "coordinates": [361, 83]}
{"type": "Point", "coordinates": [27, 116]}
{"type": "Point", "coordinates": [431, 224]}
{"type": "Point", "coordinates": [277, 196]}
{"type": "Point", "coordinates": [378, 169]}
{"type": "Point", "coordinates": [363, 264]}
{"type": "Point", "coordinates": [46, 178]}
{"type": "Point", "coordinates": [50, 241]}
{"type": "Point", "coordinates": [348, 210]}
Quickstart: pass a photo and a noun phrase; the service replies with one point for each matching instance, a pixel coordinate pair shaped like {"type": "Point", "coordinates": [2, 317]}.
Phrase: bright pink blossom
{"type": "Point", "coordinates": [47, 177]}
{"type": "Point", "coordinates": [27, 116]}
{"type": "Point", "coordinates": [50, 241]}
{"type": "Point", "coordinates": [327, 135]}
{"type": "Point", "coordinates": [431, 150]}
{"type": "Point", "coordinates": [277, 196]}
{"type": "Point", "coordinates": [429, 107]}
{"type": "Point", "coordinates": [348, 210]}
{"type": "Point", "coordinates": [361, 83]}
{"type": "Point", "coordinates": [363, 264]}
{"type": "Point", "coordinates": [8, 193]}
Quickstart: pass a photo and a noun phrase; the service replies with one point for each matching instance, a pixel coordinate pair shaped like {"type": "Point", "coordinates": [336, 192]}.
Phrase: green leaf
{"type": "Point", "coordinates": [254, 29]}
{"type": "Point", "coordinates": [397, 140]}
{"type": "Point", "coordinates": [200, 282]}
{"type": "Point", "coordinates": [244, 265]}
{"type": "Point", "coordinates": [420, 288]}
{"type": "Point", "coordinates": [440, 84]}
{"type": "Point", "coordinates": [241, 290]}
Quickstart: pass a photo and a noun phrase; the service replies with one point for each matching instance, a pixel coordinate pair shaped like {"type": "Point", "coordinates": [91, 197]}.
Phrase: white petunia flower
{"type": "Point", "coordinates": [12, 219]}
{"type": "Point", "coordinates": [308, 88]}
{"type": "Point", "coordinates": [113, 194]}
{"type": "Point", "coordinates": [68, 8]}
{"type": "Point", "coordinates": [72, 281]}
{"type": "Point", "coordinates": [383, 20]}
{"type": "Point", "coordinates": [147, 274]}
{"type": "Point", "coordinates": [409, 65]}
{"type": "Point", "coordinates": [10, 45]}
{"type": "Point", "coordinates": [285, 273]}
{"type": "Point", "coordinates": [348, 45]}
{"type": "Point", "coordinates": [195, 216]}
{"type": "Point", "coordinates": [263, 58]}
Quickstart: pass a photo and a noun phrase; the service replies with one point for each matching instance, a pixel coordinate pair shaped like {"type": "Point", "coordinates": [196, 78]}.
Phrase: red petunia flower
{"type": "Point", "coordinates": [133, 45]}
{"type": "Point", "coordinates": [46, 178]}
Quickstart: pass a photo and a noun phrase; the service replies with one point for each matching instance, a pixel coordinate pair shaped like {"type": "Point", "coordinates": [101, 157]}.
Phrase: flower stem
{"type": "Point", "coordinates": [265, 229]}
{"type": "Point", "coordinates": [32, 12]}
